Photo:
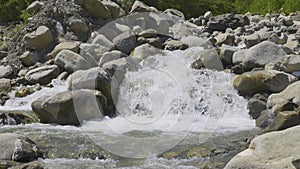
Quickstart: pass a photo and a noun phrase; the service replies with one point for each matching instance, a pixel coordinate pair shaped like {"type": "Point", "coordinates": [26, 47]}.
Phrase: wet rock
{"type": "Point", "coordinates": [94, 79]}
{"type": "Point", "coordinates": [34, 7]}
{"type": "Point", "coordinates": [110, 56]}
{"type": "Point", "coordinates": [222, 22]}
{"type": "Point", "coordinates": [175, 45]}
{"type": "Point", "coordinates": [72, 46]}
{"type": "Point", "coordinates": [7, 164]}
{"type": "Point", "coordinates": [271, 150]}
{"type": "Point", "coordinates": [42, 75]}
{"type": "Point", "coordinates": [255, 107]}
{"type": "Point", "coordinates": [16, 147]}
{"type": "Point", "coordinates": [42, 38]}
{"type": "Point", "coordinates": [252, 40]}
{"type": "Point", "coordinates": [125, 42]}
{"type": "Point", "coordinates": [5, 85]}
{"type": "Point", "coordinates": [96, 9]}
{"type": "Point", "coordinates": [262, 54]}
{"type": "Point", "coordinates": [237, 69]}
{"type": "Point", "coordinates": [265, 119]}
{"type": "Point", "coordinates": [5, 71]}
{"type": "Point", "coordinates": [25, 91]}
{"type": "Point", "coordinates": [217, 150]}
{"type": "Point", "coordinates": [254, 82]}
{"type": "Point", "coordinates": [210, 59]}
{"type": "Point", "coordinates": [139, 6]}
{"type": "Point", "coordinates": [226, 54]}
{"type": "Point", "coordinates": [71, 61]}
{"type": "Point", "coordinates": [71, 107]}
{"type": "Point", "coordinates": [30, 58]}
{"type": "Point", "coordinates": [18, 117]}
{"type": "Point", "coordinates": [31, 165]}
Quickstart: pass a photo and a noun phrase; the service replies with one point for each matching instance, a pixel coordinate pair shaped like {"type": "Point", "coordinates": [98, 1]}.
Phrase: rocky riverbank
{"type": "Point", "coordinates": [92, 44]}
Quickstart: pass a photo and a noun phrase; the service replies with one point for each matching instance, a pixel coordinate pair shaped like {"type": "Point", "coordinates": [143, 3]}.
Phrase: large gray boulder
{"type": "Point", "coordinates": [250, 83]}
{"type": "Point", "coordinates": [71, 107]}
{"type": "Point", "coordinates": [93, 79]}
{"type": "Point", "coordinates": [42, 38]}
{"type": "Point", "coordinates": [16, 147]}
{"type": "Point", "coordinates": [262, 54]}
{"type": "Point", "coordinates": [274, 150]}
{"type": "Point", "coordinates": [71, 61]}
{"type": "Point", "coordinates": [42, 75]}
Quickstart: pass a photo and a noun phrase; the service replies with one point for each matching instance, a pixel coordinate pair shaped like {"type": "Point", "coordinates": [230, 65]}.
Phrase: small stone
{"type": "Point", "coordinates": [265, 119]}
{"type": "Point", "coordinates": [5, 71]}
{"type": "Point", "coordinates": [208, 15]}
{"type": "Point", "coordinates": [255, 107]}
{"type": "Point", "coordinates": [5, 85]}
{"type": "Point", "coordinates": [125, 42]}
{"type": "Point", "coordinates": [149, 33]}
{"type": "Point", "coordinates": [72, 46]}
{"type": "Point", "coordinates": [175, 45]}
{"type": "Point", "coordinates": [34, 7]}
{"type": "Point", "coordinates": [252, 40]}
{"type": "Point", "coordinates": [30, 58]}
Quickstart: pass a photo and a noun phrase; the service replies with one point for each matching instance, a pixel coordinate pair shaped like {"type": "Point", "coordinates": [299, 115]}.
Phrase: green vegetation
{"type": "Point", "coordinates": [11, 10]}
{"type": "Point", "coordinates": [194, 8]}
{"type": "Point", "coordinates": [15, 9]}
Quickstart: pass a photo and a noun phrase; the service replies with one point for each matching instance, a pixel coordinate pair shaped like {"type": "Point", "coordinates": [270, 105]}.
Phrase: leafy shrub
{"type": "Point", "coordinates": [11, 10]}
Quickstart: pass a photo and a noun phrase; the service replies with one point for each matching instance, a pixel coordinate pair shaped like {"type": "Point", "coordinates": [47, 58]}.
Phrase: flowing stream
{"type": "Point", "coordinates": [161, 106]}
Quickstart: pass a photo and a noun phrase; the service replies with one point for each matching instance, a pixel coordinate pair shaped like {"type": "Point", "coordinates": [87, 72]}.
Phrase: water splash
{"type": "Point", "coordinates": [169, 95]}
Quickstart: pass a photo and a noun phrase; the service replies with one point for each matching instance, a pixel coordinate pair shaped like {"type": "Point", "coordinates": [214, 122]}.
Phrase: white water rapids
{"type": "Point", "coordinates": [166, 97]}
